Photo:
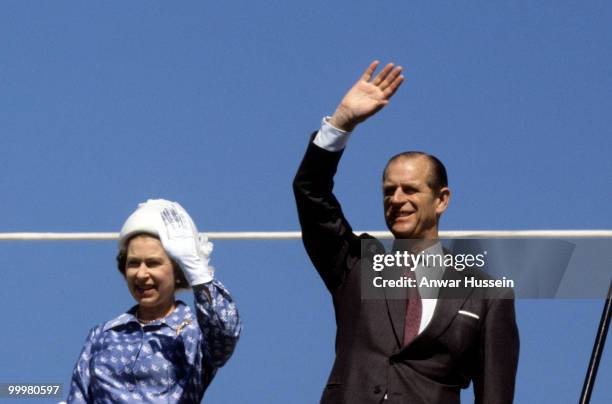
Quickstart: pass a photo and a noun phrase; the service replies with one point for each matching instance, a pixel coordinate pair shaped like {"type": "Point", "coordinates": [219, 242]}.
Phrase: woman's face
{"type": "Point", "coordinates": [150, 276]}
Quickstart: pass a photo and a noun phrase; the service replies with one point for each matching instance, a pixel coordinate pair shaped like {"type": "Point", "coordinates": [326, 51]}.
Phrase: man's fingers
{"type": "Point", "coordinates": [367, 75]}
{"type": "Point", "coordinates": [390, 78]}
{"type": "Point", "coordinates": [392, 88]}
{"type": "Point", "coordinates": [383, 74]}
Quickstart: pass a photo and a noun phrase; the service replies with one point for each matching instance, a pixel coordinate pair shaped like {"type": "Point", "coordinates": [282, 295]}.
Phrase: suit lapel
{"type": "Point", "coordinates": [448, 304]}
{"type": "Point", "coordinates": [396, 305]}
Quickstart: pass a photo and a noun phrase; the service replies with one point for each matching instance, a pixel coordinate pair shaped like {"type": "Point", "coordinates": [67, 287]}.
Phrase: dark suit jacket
{"type": "Point", "coordinates": [371, 362]}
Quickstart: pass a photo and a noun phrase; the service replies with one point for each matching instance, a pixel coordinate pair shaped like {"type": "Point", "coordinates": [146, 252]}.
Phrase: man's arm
{"type": "Point", "coordinates": [326, 233]}
{"type": "Point", "coordinates": [498, 357]}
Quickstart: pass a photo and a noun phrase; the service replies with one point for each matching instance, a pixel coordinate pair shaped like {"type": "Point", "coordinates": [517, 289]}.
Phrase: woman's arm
{"type": "Point", "coordinates": [218, 320]}
{"type": "Point", "coordinates": [79, 385]}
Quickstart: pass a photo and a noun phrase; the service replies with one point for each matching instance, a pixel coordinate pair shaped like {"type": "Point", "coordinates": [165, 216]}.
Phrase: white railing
{"type": "Point", "coordinates": [294, 235]}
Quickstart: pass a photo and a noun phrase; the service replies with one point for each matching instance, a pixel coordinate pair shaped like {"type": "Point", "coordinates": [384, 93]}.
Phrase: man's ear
{"type": "Point", "coordinates": [442, 200]}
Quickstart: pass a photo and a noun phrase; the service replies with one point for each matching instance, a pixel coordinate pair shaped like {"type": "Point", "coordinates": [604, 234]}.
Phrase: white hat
{"type": "Point", "coordinates": [145, 219]}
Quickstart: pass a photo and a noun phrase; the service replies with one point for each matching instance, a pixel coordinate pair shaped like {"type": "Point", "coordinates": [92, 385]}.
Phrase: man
{"type": "Point", "coordinates": [388, 350]}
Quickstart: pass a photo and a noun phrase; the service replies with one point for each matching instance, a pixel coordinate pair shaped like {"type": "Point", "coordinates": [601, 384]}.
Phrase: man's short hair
{"type": "Point", "coordinates": [438, 178]}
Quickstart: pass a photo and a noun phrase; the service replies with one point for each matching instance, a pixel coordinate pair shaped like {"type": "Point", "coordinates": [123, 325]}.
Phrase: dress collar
{"type": "Point", "coordinates": [178, 318]}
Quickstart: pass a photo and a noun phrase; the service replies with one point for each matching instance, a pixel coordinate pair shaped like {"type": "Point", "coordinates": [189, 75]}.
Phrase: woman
{"type": "Point", "coordinates": [159, 351]}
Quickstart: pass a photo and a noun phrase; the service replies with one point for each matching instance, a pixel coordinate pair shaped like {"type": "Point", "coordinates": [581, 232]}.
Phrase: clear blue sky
{"type": "Point", "coordinates": [106, 104]}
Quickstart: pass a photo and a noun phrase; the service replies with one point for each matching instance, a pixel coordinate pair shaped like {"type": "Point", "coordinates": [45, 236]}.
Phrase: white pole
{"type": "Point", "coordinates": [295, 235]}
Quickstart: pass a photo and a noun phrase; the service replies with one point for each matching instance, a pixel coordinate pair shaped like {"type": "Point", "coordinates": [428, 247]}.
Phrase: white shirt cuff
{"type": "Point", "coordinates": [330, 138]}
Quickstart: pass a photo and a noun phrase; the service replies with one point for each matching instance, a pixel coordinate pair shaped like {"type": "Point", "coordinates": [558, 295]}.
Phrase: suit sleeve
{"type": "Point", "coordinates": [326, 234]}
{"type": "Point", "coordinates": [498, 357]}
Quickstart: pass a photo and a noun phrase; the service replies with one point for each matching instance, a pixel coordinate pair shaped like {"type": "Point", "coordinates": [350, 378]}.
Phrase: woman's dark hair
{"type": "Point", "coordinates": [181, 281]}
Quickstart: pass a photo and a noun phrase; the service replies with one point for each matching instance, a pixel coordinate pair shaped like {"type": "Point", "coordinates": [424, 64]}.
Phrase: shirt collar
{"type": "Point", "coordinates": [180, 317]}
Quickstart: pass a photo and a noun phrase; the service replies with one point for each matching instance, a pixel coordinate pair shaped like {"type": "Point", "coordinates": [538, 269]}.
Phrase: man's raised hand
{"type": "Point", "coordinates": [367, 96]}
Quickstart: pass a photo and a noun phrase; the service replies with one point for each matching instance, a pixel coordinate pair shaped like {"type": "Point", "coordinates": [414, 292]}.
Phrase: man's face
{"type": "Point", "coordinates": [411, 206]}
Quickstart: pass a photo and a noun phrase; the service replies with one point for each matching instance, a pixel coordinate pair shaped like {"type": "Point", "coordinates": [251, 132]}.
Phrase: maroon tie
{"type": "Point", "coordinates": [414, 310]}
